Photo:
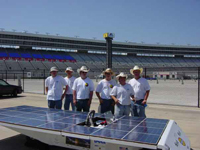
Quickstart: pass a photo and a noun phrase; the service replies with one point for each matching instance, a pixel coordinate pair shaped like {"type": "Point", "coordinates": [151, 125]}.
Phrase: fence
{"type": "Point", "coordinates": [173, 86]}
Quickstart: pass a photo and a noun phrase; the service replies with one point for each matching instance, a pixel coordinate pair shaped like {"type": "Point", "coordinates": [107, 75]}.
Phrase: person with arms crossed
{"type": "Point", "coordinates": [69, 95]}
{"type": "Point", "coordinates": [83, 90]}
{"type": "Point", "coordinates": [104, 88]}
{"type": "Point", "coordinates": [141, 89]}
{"type": "Point", "coordinates": [122, 94]}
{"type": "Point", "coordinates": [54, 88]}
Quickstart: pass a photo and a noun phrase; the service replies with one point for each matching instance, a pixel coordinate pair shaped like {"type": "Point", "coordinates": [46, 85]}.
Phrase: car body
{"type": "Point", "coordinates": [7, 89]}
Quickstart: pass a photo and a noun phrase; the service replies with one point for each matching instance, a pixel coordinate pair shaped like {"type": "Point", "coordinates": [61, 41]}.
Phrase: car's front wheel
{"type": "Point", "coordinates": [15, 93]}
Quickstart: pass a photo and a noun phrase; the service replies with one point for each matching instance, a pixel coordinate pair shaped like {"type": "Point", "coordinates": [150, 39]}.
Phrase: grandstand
{"type": "Point", "coordinates": [25, 51]}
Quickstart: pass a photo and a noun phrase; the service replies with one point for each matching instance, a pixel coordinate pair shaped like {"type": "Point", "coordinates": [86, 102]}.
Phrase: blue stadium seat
{"type": "Point", "coordinates": [14, 55]}
{"type": "Point", "coordinates": [47, 56]}
{"type": "Point", "coordinates": [70, 58]}
{"type": "Point", "coordinates": [37, 56]}
{"type": "Point", "coordinates": [26, 55]}
{"type": "Point", "coordinates": [3, 54]}
{"type": "Point", "coordinates": [59, 57]}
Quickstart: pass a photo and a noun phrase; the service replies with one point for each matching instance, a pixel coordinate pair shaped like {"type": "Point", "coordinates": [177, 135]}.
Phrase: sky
{"type": "Point", "coordinates": [148, 21]}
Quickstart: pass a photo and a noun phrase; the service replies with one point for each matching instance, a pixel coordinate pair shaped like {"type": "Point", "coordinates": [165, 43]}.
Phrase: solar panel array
{"type": "Point", "coordinates": [133, 129]}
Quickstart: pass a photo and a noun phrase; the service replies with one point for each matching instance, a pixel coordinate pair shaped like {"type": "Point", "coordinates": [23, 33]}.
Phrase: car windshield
{"type": "Point", "coordinates": [3, 82]}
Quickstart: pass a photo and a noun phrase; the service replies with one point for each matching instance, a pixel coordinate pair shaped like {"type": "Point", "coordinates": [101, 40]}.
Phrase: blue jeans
{"type": "Point", "coordinates": [68, 101]}
{"type": "Point", "coordinates": [121, 110]}
{"type": "Point", "coordinates": [137, 109]}
{"type": "Point", "coordinates": [55, 104]}
{"type": "Point", "coordinates": [82, 105]}
{"type": "Point", "coordinates": [107, 105]}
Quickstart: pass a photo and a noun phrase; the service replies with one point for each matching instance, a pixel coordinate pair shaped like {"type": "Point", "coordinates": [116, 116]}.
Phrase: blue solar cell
{"type": "Point", "coordinates": [33, 122]}
{"type": "Point", "coordinates": [2, 111]}
{"type": "Point", "coordinates": [144, 129]}
{"type": "Point", "coordinates": [132, 118]}
{"type": "Point", "coordinates": [80, 130]}
{"type": "Point", "coordinates": [14, 120]}
{"type": "Point", "coordinates": [117, 126]}
{"type": "Point", "coordinates": [152, 125]}
{"type": "Point", "coordinates": [12, 113]}
{"type": "Point", "coordinates": [128, 122]}
{"type": "Point", "coordinates": [26, 110]}
{"type": "Point", "coordinates": [3, 116]}
{"type": "Point", "coordinates": [9, 109]}
{"type": "Point", "coordinates": [116, 134]}
{"type": "Point", "coordinates": [52, 117]}
{"type": "Point", "coordinates": [42, 112]}
{"type": "Point", "coordinates": [142, 138]}
{"type": "Point", "coordinates": [55, 126]}
{"type": "Point", "coordinates": [164, 121]}
{"type": "Point", "coordinates": [70, 120]}
{"type": "Point", "coordinates": [29, 115]}
{"type": "Point", "coordinates": [79, 116]}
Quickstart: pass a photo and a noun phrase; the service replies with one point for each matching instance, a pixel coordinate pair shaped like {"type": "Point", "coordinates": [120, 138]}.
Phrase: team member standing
{"type": "Point", "coordinates": [54, 89]}
{"type": "Point", "coordinates": [141, 89]}
{"type": "Point", "coordinates": [122, 94]}
{"type": "Point", "coordinates": [83, 90]}
{"type": "Point", "coordinates": [69, 95]}
{"type": "Point", "coordinates": [104, 88]}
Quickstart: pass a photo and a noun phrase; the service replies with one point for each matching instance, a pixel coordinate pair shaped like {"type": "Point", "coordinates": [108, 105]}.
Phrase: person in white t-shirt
{"type": "Point", "coordinates": [83, 90]}
{"type": "Point", "coordinates": [54, 89]}
{"type": "Point", "coordinates": [122, 94]}
{"type": "Point", "coordinates": [141, 89]}
{"type": "Point", "coordinates": [69, 95]}
{"type": "Point", "coordinates": [104, 88]}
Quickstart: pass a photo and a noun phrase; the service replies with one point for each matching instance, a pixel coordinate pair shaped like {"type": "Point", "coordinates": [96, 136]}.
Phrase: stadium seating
{"type": "Point", "coordinates": [3, 55]}
{"type": "Point", "coordinates": [14, 56]}
{"type": "Point", "coordinates": [26, 56]}
{"type": "Point", "coordinates": [19, 59]}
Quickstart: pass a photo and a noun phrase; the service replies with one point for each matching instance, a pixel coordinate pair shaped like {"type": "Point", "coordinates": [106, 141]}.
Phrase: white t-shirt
{"type": "Point", "coordinates": [104, 87]}
{"type": "Point", "coordinates": [140, 87]}
{"type": "Point", "coordinates": [70, 82]}
{"type": "Point", "coordinates": [55, 87]}
{"type": "Point", "coordinates": [123, 93]}
{"type": "Point", "coordinates": [83, 87]}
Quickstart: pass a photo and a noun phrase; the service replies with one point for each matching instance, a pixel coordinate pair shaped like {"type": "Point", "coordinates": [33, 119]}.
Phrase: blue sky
{"type": "Point", "coordinates": [150, 21]}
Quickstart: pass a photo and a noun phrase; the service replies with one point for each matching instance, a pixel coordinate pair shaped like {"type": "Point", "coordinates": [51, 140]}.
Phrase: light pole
{"type": "Point", "coordinates": [109, 37]}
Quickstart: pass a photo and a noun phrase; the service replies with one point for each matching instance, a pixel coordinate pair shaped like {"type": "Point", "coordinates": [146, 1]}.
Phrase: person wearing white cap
{"type": "Point", "coordinates": [141, 88]}
{"type": "Point", "coordinates": [54, 89]}
{"type": "Point", "coordinates": [104, 88]}
{"type": "Point", "coordinates": [83, 90]}
{"type": "Point", "coordinates": [69, 95]}
{"type": "Point", "coordinates": [122, 94]}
